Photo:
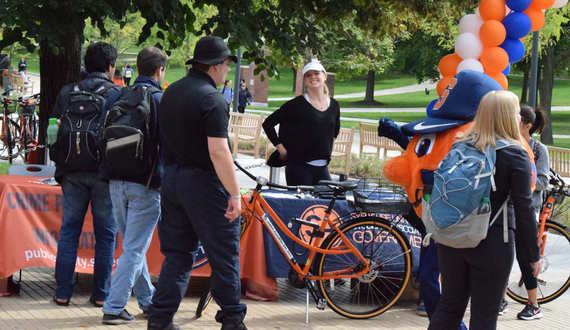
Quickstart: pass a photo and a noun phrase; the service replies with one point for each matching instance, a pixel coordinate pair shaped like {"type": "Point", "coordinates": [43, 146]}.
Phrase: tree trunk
{"type": "Point", "coordinates": [524, 93]}
{"type": "Point", "coordinates": [369, 96]}
{"type": "Point", "coordinates": [294, 80]}
{"type": "Point", "coordinates": [549, 63]}
{"type": "Point", "coordinates": [56, 71]}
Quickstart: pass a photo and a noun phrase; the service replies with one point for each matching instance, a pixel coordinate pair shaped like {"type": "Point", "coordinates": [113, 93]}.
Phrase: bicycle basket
{"type": "Point", "coordinates": [378, 195]}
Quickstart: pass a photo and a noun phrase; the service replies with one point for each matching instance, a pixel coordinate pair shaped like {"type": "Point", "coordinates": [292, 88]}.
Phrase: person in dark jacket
{"type": "Point", "coordinates": [136, 206]}
{"type": "Point", "coordinates": [244, 98]}
{"type": "Point", "coordinates": [308, 126]}
{"type": "Point", "coordinates": [479, 274]}
{"type": "Point", "coordinates": [83, 187]}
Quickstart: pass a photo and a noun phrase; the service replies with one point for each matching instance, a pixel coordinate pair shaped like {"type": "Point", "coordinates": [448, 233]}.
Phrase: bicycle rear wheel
{"type": "Point", "coordinates": [387, 251]}
{"type": "Point", "coordinates": [554, 278]}
{"type": "Point", "coordinates": [10, 139]}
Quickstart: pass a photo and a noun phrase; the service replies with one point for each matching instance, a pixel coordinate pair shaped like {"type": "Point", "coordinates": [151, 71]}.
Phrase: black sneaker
{"type": "Point", "coordinates": [504, 307]}
{"type": "Point", "coordinates": [530, 312]}
{"type": "Point", "coordinates": [123, 317]}
{"type": "Point", "coordinates": [230, 323]}
{"type": "Point", "coordinates": [171, 326]}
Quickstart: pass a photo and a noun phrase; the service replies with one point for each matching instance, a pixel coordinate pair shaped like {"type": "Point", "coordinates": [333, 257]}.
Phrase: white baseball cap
{"type": "Point", "coordinates": [314, 65]}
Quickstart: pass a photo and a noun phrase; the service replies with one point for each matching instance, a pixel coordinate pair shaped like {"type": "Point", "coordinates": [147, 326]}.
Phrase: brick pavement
{"type": "Point", "coordinates": [34, 309]}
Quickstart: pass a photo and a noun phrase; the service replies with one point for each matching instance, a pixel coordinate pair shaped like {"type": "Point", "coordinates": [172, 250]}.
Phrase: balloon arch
{"type": "Point", "coordinates": [491, 39]}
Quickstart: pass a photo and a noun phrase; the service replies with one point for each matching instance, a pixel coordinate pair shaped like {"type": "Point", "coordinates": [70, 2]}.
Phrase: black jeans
{"type": "Point", "coordinates": [193, 204]}
{"type": "Point", "coordinates": [479, 273]}
{"type": "Point", "coordinates": [303, 174]}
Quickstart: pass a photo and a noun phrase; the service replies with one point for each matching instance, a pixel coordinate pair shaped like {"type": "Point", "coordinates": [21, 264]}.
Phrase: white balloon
{"type": "Point", "coordinates": [559, 3]}
{"type": "Point", "coordinates": [468, 45]}
{"type": "Point", "coordinates": [471, 23]}
{"type": "Point", "coordinates": [477, 12]}
{"type": "Point", "coordinates": [470, 64]}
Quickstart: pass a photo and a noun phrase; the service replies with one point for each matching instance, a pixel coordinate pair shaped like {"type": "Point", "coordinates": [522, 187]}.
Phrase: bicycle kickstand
{"type": "Point", "coordinates": [321, 302]}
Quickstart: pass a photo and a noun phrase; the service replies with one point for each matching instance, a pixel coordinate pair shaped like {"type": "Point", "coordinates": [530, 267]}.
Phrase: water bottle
{"type": "Point", "coordinates": [427, 191]}
{"type": "Point", "coordinates": [52, 131]}
{"type": "Point", "coordinates": [485, 206]}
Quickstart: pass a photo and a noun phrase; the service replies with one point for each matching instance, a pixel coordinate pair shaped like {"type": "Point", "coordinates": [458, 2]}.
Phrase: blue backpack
{"type": "Point", "coordinates": [462, 180]}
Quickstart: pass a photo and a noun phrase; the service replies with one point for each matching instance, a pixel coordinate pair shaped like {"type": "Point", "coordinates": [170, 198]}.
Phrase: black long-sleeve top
{"type": "Point", "coordinates": [307, 133]}
{"type": "Point", "coordinates": [513, 175]}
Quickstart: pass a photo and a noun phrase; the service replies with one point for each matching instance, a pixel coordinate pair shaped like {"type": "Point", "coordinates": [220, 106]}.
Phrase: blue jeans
{"type": "Point", "coordinates": [193, 206]}
{"type": "Point", "coordinates": [78, 189]}
{"type": "Point", "coordinates": [136, 213]}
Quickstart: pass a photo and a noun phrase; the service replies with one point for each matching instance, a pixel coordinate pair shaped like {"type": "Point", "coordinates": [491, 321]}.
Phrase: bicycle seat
{"type": "Point", "coordinates": [344, 185]}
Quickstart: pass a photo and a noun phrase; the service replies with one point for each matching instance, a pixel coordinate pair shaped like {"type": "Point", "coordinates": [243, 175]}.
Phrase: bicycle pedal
{"type": "Point", "coordinates": [321, 304]}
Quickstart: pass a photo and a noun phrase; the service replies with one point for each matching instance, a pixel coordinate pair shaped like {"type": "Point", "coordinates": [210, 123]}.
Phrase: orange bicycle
{"type": "Point", "coordinates": [554, 242]}
{"type": "Point", "coordinates": [359, 268]}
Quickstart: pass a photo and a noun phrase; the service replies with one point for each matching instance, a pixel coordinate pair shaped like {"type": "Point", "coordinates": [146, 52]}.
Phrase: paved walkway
{"type": "Point", "coordinates": [34, 309]}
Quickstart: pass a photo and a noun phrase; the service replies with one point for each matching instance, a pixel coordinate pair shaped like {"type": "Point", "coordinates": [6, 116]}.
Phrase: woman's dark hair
{"type": "Point", "coordinates": [226, 82]}
{"type": "Point", "coordinates": [536, 117]}
{"type": "Point", "coordinates": [118, 73]}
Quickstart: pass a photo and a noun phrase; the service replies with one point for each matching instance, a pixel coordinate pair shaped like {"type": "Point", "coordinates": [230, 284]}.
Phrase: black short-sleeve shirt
{"type": "Point", "coordinates": [191, 110]}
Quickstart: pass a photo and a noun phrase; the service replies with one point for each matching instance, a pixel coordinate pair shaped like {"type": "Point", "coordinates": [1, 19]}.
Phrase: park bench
{"type": "Point", "coordinates": [369, 138]}
{"type": "Point", "coordinates": [560, 160]}
{"type": "Point", "coordinates": [245, 128]}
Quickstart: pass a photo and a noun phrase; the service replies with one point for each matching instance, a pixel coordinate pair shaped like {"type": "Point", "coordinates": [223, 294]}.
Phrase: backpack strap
{"type": "Point", "coordinates": [503, 210]}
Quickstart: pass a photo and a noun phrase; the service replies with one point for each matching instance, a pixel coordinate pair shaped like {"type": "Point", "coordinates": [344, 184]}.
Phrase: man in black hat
{"type": "Point", "coordinates": [200, 192]}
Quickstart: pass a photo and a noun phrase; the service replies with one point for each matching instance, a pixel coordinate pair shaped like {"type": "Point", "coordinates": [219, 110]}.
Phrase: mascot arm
{"type": "Point", "coordinates": [388, 128]}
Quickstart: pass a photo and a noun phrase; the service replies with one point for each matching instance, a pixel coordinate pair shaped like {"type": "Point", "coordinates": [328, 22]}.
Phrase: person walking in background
{"type": "Point", "coordinates": [244, 98]}
{"type": "Point", "coordinates": [228, 92]}
{"type": "Point", "coordinates": [200, 192]}
{"type": "Point", "coordinates": [127, 74]}
{"type": "Point", "coordinates": [532, 121]}
{"type": "Point", "coordinates": [308, 126]}
{"type": "Point", "coordinates": [118, 78]}
{"type": "Point", "coordinates": [82, 187]}
{"type": "Point", "coordinates": [136, 204]}
{"type": "Point", "coordinates": [480, 273]}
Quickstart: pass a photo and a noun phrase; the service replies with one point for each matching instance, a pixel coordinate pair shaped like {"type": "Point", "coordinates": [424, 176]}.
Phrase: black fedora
{"type": "Point", "coordinates": [211, 50]}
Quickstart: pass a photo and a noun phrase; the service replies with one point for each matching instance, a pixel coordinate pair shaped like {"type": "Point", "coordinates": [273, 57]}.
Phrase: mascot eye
{"type": "Point", "coordinates": [425, 145]}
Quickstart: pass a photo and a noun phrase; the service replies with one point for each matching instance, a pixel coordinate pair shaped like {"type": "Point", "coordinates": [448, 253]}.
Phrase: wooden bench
{"type": "Point", "coordinates": [245, 128]}
{"type": "Point", "coordinates": [341, 150]}
{"type": "Point", "coordinates": [21, 85]}
{"type": "Point", "coordinates": [560, 160]}
{"type": "Point", "coordinates": [369, 137]}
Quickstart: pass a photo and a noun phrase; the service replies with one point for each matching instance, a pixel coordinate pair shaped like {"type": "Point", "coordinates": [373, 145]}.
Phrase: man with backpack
{"type": "Point", "coordinates": [130, 115]}
{"type": "Point", "coordinates": [76, 155]}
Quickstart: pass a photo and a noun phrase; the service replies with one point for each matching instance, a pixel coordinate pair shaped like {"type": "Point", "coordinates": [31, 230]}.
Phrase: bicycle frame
{"type": "Point", "coordinates": [258, 208]}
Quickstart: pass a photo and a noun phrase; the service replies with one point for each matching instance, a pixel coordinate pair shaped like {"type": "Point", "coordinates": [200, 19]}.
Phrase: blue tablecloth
{"type": "Point", "coordinates": [288, 206]}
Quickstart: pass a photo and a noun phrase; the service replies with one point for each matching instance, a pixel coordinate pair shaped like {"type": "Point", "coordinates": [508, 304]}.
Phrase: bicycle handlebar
{"type": "Point", "coordinates": [265, 182]}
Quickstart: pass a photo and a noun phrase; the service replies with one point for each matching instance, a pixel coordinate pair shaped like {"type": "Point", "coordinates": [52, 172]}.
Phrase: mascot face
{"type": "Point", "coordinates": [424, 151]}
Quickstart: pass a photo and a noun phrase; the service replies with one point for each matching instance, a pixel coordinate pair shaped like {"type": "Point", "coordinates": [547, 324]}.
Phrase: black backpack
{"type": "Point", "coordinates": [128, 141]}
{"type": "Point", "coordinates": [77, 147]}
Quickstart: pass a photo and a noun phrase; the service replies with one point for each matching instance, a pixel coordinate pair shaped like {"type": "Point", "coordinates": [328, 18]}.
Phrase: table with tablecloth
{"type": "Point", "coordinates": [30, 220]}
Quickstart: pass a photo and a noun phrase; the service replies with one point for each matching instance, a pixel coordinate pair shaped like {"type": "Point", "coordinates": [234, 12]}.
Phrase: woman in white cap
{"type": "Point", "coordinates": [308, 125]}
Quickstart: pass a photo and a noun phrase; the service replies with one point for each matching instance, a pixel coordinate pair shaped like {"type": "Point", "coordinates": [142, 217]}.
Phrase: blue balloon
{"type": "Point", "coordinates": [430, 107]}
{"type": "Point", "coordinates": [514, 48]}
{"type": "Point", "coordinates": [517, 25]}
{"type": "Point", "coordinates": [518, 5]}
{"type": "Point", "coordinates": [507, 70]}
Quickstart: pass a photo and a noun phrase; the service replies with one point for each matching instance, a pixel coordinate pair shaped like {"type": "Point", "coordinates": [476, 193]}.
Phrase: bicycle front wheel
{"type": "Point", "coordinates": [387, 251]}
{"type": "Point", "coordinates": [10, 138]}
{"type": "Point", "coordinates": [554, 277]}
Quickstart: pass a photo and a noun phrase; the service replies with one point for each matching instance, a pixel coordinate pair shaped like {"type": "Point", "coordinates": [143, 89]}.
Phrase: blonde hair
{"type": "Point", "coordinates": [326, 90]}
{"type": "Point", "coordinates": [496, 119]}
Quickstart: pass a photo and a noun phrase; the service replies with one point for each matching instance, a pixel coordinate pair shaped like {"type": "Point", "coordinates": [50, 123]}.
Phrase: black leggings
{"type": "Point", "coordinates": [303, 174]}
{"type": "Point", "coordinates": [530, 282]}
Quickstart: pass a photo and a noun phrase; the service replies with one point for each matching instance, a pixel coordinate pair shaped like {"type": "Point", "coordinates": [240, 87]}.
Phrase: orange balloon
{"type": "Point", "coordinates": [494, 59]}
{"type": "Point", "coordinates": [542, 4]}
{"type": "Point", "coordinates": [536, 17]}
{"type": "Point", "coordinates": [492, 33]}
{"type": "Point", "coordinates": [443, 83]}
{"type": "Point", "coordinates": [448, 64]}
{"type": "Point", "coordinates": [500, 78]}
{"type": "Point", "coordinates": [492, 9]}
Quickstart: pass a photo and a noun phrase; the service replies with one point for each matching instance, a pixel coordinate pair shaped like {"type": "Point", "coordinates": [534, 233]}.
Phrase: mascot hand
{"type": "Point", "coordinates": [388, 128]}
